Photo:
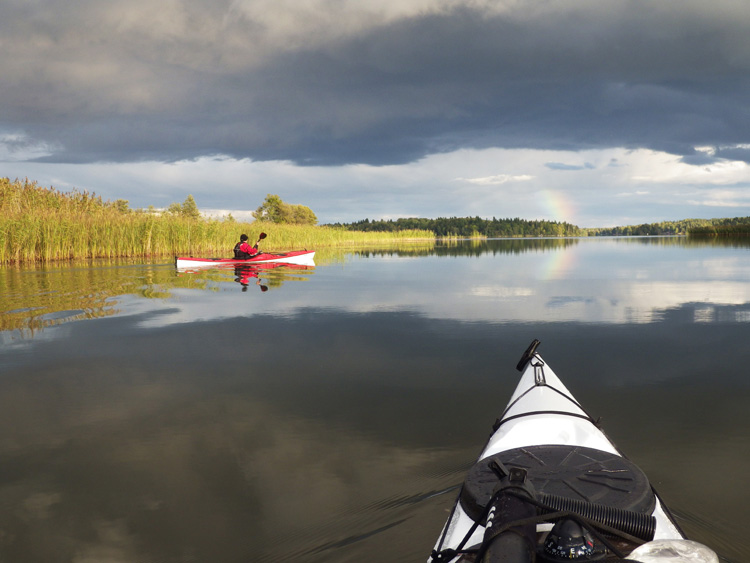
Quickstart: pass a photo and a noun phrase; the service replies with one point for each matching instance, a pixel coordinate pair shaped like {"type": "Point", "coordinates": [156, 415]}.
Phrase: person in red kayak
{"type": "Point", "coordinates": [243, 250]}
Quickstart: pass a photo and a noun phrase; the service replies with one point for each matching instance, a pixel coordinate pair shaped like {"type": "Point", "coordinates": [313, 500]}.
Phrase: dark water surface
{"type": "Point", "coordinates": [328, 414]}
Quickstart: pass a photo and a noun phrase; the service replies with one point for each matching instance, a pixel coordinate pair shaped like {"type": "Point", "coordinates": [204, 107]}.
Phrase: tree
{"type": "Point", "coordinates": [302, 215]}
{"type": "Point", "coordinates": [274, 210]}
{"type": "Point", "coordinates": [122, 205]}
{"type": "Point", "coordinates": [270, 210]}
{"type": "Point", "coordinates": [188, 208]}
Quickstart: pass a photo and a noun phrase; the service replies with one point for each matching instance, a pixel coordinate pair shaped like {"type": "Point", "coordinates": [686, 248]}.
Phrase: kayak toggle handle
{"type": "Point", "coordinates": [528, 354]}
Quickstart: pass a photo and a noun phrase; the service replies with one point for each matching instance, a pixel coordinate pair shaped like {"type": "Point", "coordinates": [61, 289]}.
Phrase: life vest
{"type": "Point", "coordinates": [238, 254]}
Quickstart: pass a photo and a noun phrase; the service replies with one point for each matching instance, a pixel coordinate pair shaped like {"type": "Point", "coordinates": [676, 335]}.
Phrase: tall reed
{"type": "Point", "coordinates": [43, 224]}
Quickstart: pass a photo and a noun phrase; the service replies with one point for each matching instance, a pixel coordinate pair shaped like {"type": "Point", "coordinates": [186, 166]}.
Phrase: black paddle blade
{"type": "Point", "coordinates": [262, 236]}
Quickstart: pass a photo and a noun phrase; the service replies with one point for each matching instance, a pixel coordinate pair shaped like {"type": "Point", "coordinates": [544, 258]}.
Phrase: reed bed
{"type": "Point", "coordinates": [39, 224]}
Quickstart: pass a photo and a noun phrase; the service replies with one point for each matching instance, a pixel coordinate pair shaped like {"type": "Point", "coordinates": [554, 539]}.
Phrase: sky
{"type": "Point", "coordinates": [594, 112]}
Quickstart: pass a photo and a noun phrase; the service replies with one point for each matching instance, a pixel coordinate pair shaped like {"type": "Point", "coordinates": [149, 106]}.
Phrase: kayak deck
{"type": "Point", "coordinates": [564, 465]}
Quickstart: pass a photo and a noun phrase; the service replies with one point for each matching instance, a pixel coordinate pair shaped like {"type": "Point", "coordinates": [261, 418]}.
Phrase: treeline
{"type": "Point", "coordinates": [511, 228]}
{"type": "Point", "coordinates": [470, 227]}
{"type": "Point", "coordinates": [683, 227]}
{"type": "Point", "coordinates": [741, 227]}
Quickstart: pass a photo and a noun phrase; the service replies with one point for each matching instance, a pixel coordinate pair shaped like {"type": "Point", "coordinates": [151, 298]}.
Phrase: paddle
{"type": "Point", "coordinates": [260, 238]}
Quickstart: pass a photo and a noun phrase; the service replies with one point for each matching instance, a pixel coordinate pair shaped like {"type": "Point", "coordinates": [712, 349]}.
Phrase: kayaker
{"type": "Point", "coordinates": [243, 250]}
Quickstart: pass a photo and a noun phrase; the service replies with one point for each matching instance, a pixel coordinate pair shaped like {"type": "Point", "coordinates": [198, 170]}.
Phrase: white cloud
{"type": "Point", "coordinates": [719, 203]}
{"type": "Point", "coordinates": [633, 193]}
{"type": "Point", "coordinates": [491, 183]}
{"type": "Point", "coordinates": [498, 179]}
{"type": "Point", "coordinates": [664, 168]}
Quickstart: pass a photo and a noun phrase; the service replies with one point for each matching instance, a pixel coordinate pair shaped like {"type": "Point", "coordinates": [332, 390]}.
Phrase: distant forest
{"type": "Point", "coordinates": [684, 227]}
{"type": "Point", "coordinates": [501, 228]}
{"type": "Point", "coordinates": [470, 227]}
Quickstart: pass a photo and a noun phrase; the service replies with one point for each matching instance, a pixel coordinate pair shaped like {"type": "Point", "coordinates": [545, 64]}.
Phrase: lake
{"type": "Point", "coordinates": [329, 414]}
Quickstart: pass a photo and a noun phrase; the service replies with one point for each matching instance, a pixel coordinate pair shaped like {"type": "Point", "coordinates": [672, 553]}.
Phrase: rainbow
{"type": "Point", "coordinates": [558, 207]}
{"type": "Point", "coordinates": [559, 262]}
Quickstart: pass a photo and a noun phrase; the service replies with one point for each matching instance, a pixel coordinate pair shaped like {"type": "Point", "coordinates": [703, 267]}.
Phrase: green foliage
{"type": "Point", "coordinates": [685, 226]}
{"type": "Point", "coordinates": [20, 197]}
{"type": "Point", "coordinates": [188, 209]}
{"type": "Point", "coordinates": [470, 227]}
{"type": "Point", "coordinates": [41, 224]}
{"type": "Point", "coordinates": [122, 205]}
{"type": "Point", "coordinates": [503, 228]}
{"type": "Point", "coordinates": [270, 210]}
{"type": "Point", "coordinates": [737, 226]}
{"type": "Point", "coordinates": [301, 215]}
{"type": "Point", "coordinates": [274, 210]}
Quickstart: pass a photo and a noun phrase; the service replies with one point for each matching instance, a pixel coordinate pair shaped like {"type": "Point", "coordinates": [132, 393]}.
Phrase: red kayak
{"type": "Point", "coordinates": [301, 257]}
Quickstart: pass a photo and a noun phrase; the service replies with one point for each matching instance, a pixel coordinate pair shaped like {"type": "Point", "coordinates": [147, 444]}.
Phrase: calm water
{"type": "Point", "coordinates": [328, 414]}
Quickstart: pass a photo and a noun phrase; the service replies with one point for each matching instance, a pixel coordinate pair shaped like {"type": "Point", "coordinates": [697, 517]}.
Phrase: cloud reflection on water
{"type": "Point", "coordinates": [315, 422]}
{"type": "Point", "coordinates": [590, 281]}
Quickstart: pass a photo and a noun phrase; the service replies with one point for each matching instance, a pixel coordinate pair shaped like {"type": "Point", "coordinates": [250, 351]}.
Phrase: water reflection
{"type": "Point", "coordinates": [244, 273]}
{"type": "Point", "coordinates": [479, 247]}
{"type": "Point", "coordinates": [337, 436]}
{"type": "Point", "coordinates": [33, 298]}
{"type": "Point", "coordinates": [265, 276]}
{"type": "Point", "coordinates": [274, 275]}
{"type": "Point", "coordinates": [612, 281]}
{"type": "Point", "coordinates": [473, 247]}
{"type": "Point", "coordinates": [150, 430]}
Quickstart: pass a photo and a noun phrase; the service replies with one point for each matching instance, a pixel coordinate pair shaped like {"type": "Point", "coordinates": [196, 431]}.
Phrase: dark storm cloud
{"type": "Point", "coordinates": [179, 80]}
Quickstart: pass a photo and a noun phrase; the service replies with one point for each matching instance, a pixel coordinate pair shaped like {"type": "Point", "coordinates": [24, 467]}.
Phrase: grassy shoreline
{"type": "Point", "coordinates": [40, 224]}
